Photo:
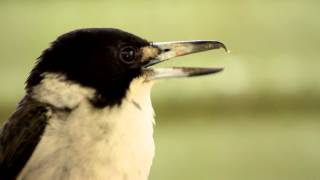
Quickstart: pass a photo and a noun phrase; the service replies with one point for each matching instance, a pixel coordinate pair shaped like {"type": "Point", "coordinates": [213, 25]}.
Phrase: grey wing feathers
{"type": "Point", "coordinates": [19, 136]}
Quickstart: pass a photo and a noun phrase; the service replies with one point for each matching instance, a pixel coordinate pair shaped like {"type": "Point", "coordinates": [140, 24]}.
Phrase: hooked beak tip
{"type": "Point", "coordinates": [163, 51]}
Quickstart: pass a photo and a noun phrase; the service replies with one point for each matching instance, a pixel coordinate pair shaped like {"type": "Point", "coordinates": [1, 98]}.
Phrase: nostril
{"type": "Point", "coordinates": [166, 50]}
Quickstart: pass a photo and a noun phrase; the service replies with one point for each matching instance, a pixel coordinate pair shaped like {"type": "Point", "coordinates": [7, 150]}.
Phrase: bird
{"type": "Point", "coordinates": [87, 111]}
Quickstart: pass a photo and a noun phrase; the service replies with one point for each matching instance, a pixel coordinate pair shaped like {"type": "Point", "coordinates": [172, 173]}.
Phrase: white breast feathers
{"type": "Point", "coordinates": [114, 143]}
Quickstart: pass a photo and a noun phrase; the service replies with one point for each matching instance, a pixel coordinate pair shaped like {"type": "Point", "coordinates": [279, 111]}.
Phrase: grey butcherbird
{"type": "Point", "coordinates": [87, 112]}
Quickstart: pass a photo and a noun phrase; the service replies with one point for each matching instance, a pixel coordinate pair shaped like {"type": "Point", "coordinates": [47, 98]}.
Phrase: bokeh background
{"type": "Point", "coordinates": [259, 119]}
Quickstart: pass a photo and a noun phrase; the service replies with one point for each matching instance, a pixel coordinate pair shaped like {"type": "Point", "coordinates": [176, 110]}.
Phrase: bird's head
{"type": "Point", "coordinates": [108, 60]}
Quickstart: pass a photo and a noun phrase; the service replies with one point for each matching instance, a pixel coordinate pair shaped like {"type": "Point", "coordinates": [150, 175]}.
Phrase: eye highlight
{"type": "Point", "coordinates": [128, 54]}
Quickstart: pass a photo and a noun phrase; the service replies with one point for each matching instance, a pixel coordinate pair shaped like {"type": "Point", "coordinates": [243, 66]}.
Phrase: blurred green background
{"type": "Point", "coordinates": [259, 119]}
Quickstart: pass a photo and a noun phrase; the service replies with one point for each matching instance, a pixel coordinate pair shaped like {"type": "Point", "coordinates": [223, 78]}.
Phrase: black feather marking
{"type": "Point", "coordinates": [19, 137]}
{"type": "Point", "coordinates": [137, 105]}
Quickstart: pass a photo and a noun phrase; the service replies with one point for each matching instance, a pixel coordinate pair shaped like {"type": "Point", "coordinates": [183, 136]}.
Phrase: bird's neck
{"type": "Point", "coordinates": [110, 143]}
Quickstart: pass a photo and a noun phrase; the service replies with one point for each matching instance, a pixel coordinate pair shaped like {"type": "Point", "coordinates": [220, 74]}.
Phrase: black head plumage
{"type": "Point", "coordinates": [101, 58]}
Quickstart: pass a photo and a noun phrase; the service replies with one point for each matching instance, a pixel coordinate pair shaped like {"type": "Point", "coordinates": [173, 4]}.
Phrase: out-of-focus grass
{"type": "Point", "coordinates": [242, 147]}
{"type": "Point", "coordinates": [259, 119]}
{"type": "Point", "coordinates": [237, 146]}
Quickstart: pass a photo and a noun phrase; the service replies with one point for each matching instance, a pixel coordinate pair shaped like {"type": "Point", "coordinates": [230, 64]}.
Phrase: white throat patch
{"type": "Point", "coordinates": [110, 143]}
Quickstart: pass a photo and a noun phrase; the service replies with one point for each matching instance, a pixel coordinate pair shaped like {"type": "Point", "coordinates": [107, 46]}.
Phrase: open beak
{"type": "Point", "coordinates": [162, 51]}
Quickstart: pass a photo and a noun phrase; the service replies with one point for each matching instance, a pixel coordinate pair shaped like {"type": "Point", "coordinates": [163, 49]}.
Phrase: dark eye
{"type": "Point", "coordinates": [128, 54]}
